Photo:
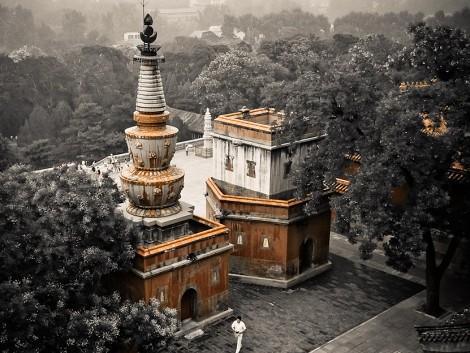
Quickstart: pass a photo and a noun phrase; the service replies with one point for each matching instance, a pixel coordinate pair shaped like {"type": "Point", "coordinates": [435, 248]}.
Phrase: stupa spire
{"type": "Point", "coordinates": [150, 95]}
{"type": "Point", "coordinates": [152, 186]}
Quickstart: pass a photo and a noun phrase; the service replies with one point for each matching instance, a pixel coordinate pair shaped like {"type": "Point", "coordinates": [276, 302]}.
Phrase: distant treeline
{"type": "Point", "coordinates": [68, 100]}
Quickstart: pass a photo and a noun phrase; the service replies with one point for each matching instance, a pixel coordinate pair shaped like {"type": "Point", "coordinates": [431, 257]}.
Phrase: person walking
{"type": "Point", "coordinates": [238, 327]}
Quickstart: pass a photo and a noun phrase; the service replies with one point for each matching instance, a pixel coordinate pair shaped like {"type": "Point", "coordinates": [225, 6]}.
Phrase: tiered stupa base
{"type": "Point", "coordinates": [153, 193]}
{"type": "Point", "coordinates": [184, 214]}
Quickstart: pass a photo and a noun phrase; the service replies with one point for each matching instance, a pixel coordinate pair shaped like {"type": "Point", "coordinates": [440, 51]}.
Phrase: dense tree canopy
{"type": "Point", "coordinates": [235, 79]}
{"type": "Point", "coordinates": [401, 189]}
{"type": "Point", "coordinates": [60, 234]}
{"type": "Point", "coordinates": [42, 99]}
{"type": "Point", "coordinates": [34, 81]}
{"type": "Point", "coordinates": [8, 153]}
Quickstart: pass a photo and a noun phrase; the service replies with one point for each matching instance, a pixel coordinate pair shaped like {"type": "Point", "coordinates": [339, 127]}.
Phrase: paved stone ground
{"type": "Point", "coordinates": [306, 316]}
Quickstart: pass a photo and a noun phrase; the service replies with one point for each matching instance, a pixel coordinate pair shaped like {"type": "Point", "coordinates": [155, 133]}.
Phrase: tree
{"type": "Point", "coordinates": [73, 25]}
{"type": "Point", "coordinates": [213, 15]}
{"type": "Point", "coordinates": [60, 117]}
{"type": "Point", "coordinates": [61, 233]}
{"type": "Point", "coordinates": [184, 134]}
{"type": "Point", "coordinates": [244, 7]}
{"type": "Point", "coordinates": [408, 142]}
{"type": "Point", "coordinates": [102, 72]}
{"type": "Point", "coordinates": [85, 134]}
{"type": "Point", "coordinates": [235, 79]}
{"type": "Point", "coordinates": [301, 22]}
{"type": "Point", "coordinates": [441, 51]}
{"type": "Point", "coordinates": [38, 126]}
{"type": "Point", "coordinates": [299, 53]}
{"type": "Point", "coordinates": [39, 153]}
{"type": "Point", "coordinates": [229, 25]}
{"type": "Point", "coordinates": [9, 154]}
{"type": "Point", "coordinates": [11, 36]}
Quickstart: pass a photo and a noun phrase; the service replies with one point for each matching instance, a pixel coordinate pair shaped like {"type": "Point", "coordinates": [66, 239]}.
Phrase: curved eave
{"type": "Point", "coordinates": [252, 200]}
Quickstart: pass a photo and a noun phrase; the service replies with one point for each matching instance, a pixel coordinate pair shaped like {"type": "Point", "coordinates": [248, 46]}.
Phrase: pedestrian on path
{"type": "Point", "coordinates": [238, 327]}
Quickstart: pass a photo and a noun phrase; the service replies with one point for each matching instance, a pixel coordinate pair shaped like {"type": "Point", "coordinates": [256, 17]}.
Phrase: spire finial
{"type": "Point", "coordinates": [143, 3]}
{"type": "Point", "coordinates": [148, 35]}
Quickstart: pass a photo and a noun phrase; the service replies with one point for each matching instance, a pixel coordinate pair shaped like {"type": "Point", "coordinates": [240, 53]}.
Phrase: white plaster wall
{"type": "Point", "coordinates": [242, 153]}
{"type": "Point", "coordinates": [269, 168]}
{"type": "Point", "coordinates": [279, 158]}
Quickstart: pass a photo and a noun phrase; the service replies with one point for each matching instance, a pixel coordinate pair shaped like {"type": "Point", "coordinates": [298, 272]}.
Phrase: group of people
{"type": "Point", "coordinates": [113, 166]}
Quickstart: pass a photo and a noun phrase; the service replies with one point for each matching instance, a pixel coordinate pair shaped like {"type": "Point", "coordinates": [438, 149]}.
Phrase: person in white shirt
{"type": "Point", "coordinates": [238, 327]}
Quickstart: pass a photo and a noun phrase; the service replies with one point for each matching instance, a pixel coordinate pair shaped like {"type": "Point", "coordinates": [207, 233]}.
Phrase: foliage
{"type": "Point", "coordinates": [305, 23]}
{"type": "Point", "coordinates": [401, 188]}
{"type": "Point", "coordinates": [184, 61]}
{"type": "Point", "coordinates": [33, 81]}
{"type": "Point", "coordinates": [184, 134]}
{"type": "Point", "coordinates": [39, 153]}
{"type": "Point", "coordinates": [442, 51]}
{"type": "Point", "coordinates": [212, 15]}
{"type": "Point", "coordinates": [10, 33]}
{"type": "Point", "coordinates": [235, 79]}
{"type": "Point", "coordinates": [9, 154]}
{"type": "Point", "coordinates": [243, 8]}
{"type": "Point", "coordinates": [140, 322]}
{"type": "Point", "coordinates": [340, 8]}
{"type": "Point", "coordinates": [299, 54]}
{"type": "Point", "coordinates": [41, 98]}
{"type": "Point", "coordinates": [101, 72]}
{"type": "Point", "coordinates": [393, 25]}
{"type": "Point", "coordinates": [37, 126]}
{"type": "Point", "coordinates": [84, 134]}
{"type": "Point", "coordinates": [228, 26]}
{"type": "Point", "coordinates": [60, 234]}
{"type": "Point", "coordinates": [73, 24]}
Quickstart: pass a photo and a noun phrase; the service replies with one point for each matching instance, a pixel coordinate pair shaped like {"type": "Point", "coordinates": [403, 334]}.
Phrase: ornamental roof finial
{"type": "Point", "coordinates": [148, 36]}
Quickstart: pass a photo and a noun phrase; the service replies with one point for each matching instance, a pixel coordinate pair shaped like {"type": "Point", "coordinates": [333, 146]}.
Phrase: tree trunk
{"type": "Point", "coordinates": [434, 273]}
{"type": "Point", "coordinates": [433, 283]}
{"type": "Point", "coordinates": [433, 280]}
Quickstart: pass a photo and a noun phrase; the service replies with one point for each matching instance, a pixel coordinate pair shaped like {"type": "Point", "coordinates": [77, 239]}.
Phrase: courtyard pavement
{"type": "Point", "coordinates": [308, 315]}
{"type": "Point", "coordinates": [358, 306]}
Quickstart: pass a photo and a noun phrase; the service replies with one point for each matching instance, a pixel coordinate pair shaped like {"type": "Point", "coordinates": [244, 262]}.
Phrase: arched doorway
{"type": "Point", "coordinates": [189, 305]}
{"type": "Point", "coordinates": [306, 255]}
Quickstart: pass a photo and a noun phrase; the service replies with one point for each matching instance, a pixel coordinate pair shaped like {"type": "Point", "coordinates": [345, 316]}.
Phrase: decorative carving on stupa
{"type": "Point", "coordinates": [151, 185]}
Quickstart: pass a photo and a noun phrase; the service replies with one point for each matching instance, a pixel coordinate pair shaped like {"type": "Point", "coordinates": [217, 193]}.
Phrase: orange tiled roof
{"type": "Point", "coordinates": [458, 173]}
{"type": "Point", "coordinates": [355, 157]}
{"type": "Point", "coordinates": [340, 186]}
{"type": "Point", "coordinates": [429, 126]}
{"type": "Point", "coordinates": [405, 86]}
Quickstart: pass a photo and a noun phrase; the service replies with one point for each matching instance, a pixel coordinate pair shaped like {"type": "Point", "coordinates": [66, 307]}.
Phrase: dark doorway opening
{"type": "Point", "coordinates": [189, 305]}
{"type": "Point", "coordinates": [306, 256]}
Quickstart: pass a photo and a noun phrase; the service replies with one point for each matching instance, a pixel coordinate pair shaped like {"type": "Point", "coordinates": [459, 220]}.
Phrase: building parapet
{"type": "Point", "coordinates": [181, 263]}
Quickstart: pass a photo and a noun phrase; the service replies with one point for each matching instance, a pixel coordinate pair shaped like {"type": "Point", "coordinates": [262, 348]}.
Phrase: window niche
{"type": "Point", "coordinates": [250, 165]}
{"type": "Point", "coordinates": [161, 295]}
{"type": "Point", "coordinates": [239, 240]}
{"type": "Point", "coordinates": [229, 162]}
{"type": "Point", "coordinates": [215, 276]}
{"type": "Point", "coordinates": [287, 169]}
{"type": "Point", "coordinates": [266, 242]}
